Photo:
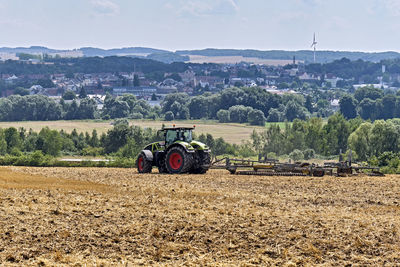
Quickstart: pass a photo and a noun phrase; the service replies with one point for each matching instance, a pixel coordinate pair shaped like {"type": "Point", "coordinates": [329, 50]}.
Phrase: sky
{"type": "Point", "coordinates": [350, 25]}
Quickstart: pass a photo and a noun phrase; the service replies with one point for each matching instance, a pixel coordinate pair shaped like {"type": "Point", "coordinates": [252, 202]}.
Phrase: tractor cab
{"type": "Point", "coordinates": [171, 135]}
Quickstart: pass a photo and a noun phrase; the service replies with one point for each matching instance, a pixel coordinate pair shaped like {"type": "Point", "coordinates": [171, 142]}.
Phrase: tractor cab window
{"type": "Point", "coordinates": [187, 136]}
{"type": "Point", "coordinates": [171, 136]}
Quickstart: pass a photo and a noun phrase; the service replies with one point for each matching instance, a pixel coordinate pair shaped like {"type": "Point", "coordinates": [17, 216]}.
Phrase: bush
{"type": "Point", "coordinates": [256, 117]}
{"type": "Point", "coordinates": [92, 151]}
{"type": "Point", "coordinates": [136, 116]}
{"type": "Point", "coordinates": [169, 116]}
{"type": "Point", "coordinates": [223, 116]}
{"type": "Point", "coordinates": [271, 155]}
{"type": "Point", "coordinates": [309, 154]}
{"type": "Point", "coordinates": [296, 155]}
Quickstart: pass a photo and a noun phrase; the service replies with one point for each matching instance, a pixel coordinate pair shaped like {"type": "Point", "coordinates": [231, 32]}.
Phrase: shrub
{"type": "Point", "coordinates": [136, 116]}
{"type": "Point", "coordinates": [223, 116]}
{"type": "Point", "coordinates": [92, 151]}
{"type": "Point", "coordinates": [256, 117]}
{"type": "Point", "coordinates": [296, 155]}
{"type": "Point", "coordinates": [309, 154]}
{"type": "Point", "coordinates": [169, 116]}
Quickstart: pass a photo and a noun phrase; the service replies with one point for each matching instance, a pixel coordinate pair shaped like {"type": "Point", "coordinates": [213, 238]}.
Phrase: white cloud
{"type": "Point", "coordinates": [105, 7]}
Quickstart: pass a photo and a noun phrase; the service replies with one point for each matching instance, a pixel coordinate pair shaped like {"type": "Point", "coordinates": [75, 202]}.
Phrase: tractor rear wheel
{"type": "Point", "coordinates": [203, 162]}
{"type": "Point", "coordinates": [178, 160]}
{"type": "Point", "coordinates": [143, 165]}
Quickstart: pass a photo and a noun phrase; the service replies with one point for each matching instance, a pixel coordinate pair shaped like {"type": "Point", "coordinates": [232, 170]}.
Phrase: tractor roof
{"type": "Point", "coordinates": [177, 128]}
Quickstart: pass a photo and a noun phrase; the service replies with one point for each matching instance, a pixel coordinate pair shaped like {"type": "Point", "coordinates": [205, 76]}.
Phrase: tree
{"type": "Point", "coordinates": [367, 109]}
{"type": "Point", "coordinates": [275, 115]}
{"type": "Point", "coordinates": [82, 93]}
{"type": "Point", "coordinates": [198, 107]}
{"type": "Point", "coordinates": [169, 116]}
{"type": "Point", "coordinates": [384, 137]}
{"type": "Point", "coordinates": [348, 107]}
{"type": "Point", "coordinates": [336, 133]}
{"type": "Point", "coordinates": [52, 142]}
{"type": "Point", "coordinates": [12, 138]}
{"type": "Point", "coordinates": [359, 141]}
{"type": "Point", "coordinates": [87, 109]}
{"type": "Point", "coordinates": [69, 95]}
{"type": "Point", "coordinates": [21, 91]}
{"type": "Point", "coordinates": [296, 155]}
{"type": "Point", "coordinates": [239, 113]}
{"type": "Point", "coordinates": [368, 92]}
{"type": "Point", "coordinates": [136, 81]}
{"type": "Point", "coordinates": [389, 106]}
{"type": "Point", "coordinates": [308, 104]}
{"type": "Point", "coordinates": [72, 111]}
{"type": "Point", "coordinates": [223, 116]}
{"type": "Point", "coordinates": [295, 111]}
{"type": "Point", "coordinates": [256, 117]}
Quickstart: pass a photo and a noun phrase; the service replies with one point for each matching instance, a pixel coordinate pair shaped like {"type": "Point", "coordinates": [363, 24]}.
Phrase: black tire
{"type": "Point", "coordinates": [203, 162]}
{"type": "Point", "coordinates": [143, 165]}
{"type": "Point", "coordinates": [177, 160]}
{"type": "Point", "coordinates": [318, 173]}
{"type": "Point", "coordinates": [161, 166]}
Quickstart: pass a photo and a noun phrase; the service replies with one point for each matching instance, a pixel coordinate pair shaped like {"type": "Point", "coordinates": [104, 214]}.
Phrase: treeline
{"type": "Point", "coordinates": [253, 105]}
{"type": "Point", "coordinates": [367, 140]}
{"type": "Point", "coordinates": [305, 55]}
{"type": "Point", "coordinates": [122, 140]}
{"type": "Point", "coordinates": [43, 108]}
{"type": "Point", "coordinates": [370, 104]}
{"type": "Point", "coordinates": [111, 64]}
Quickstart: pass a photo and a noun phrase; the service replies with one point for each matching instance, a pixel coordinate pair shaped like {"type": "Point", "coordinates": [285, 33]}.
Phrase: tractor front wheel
{"type": "Point", "coordinates": [178, 160]}
{"type": "Point", "coordinates": [143, 165]}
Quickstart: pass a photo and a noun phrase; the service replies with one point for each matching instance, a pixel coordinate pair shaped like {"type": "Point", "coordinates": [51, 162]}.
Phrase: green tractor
{"type": "Point", "coordinates": [177, 153]}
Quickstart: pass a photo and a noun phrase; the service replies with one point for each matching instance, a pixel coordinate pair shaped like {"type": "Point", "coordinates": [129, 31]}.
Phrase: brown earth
{"type": "Point", "coordinates": [78, 216]}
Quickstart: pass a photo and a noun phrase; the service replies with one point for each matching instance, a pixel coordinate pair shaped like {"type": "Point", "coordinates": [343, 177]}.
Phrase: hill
{"type": "Point", "coordinates": [302, 55]}
{"type": "Point", "coordinates": [212, 55]}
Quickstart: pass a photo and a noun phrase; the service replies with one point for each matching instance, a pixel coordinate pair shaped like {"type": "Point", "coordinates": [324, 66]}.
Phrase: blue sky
{"type": "Point", "coordinates": [355, 25]}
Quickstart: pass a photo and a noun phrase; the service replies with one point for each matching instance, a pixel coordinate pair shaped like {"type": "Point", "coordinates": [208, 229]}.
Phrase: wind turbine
{"type": "Point", "coordinates": [314, 45]}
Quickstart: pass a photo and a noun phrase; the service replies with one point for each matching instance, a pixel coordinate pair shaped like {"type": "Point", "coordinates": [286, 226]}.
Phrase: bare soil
{"type": "Point", "coordinates": [100, 216]}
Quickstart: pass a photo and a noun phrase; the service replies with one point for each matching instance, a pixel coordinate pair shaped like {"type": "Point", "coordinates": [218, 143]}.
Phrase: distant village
{"type": "Point", "coordinates": [197, 79]}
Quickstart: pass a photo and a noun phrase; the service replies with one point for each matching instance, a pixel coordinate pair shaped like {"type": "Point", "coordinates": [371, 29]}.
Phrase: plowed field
{"type": "Point", "coordinates": [68, 216]}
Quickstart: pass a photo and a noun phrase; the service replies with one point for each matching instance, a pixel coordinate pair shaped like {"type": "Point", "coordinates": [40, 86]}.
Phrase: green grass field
{"type": "Point", "coordinates": [231, 132]}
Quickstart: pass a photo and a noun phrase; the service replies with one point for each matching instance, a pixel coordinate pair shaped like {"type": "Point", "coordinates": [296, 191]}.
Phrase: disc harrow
{"type": "Point", "coordinates": [272, 167]}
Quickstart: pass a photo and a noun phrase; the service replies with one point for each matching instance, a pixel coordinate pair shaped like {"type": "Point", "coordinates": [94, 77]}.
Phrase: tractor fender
{"type": "Point", "coordinates": [148, 154]}
{"type": "Point", "coordinates": [186, 146]}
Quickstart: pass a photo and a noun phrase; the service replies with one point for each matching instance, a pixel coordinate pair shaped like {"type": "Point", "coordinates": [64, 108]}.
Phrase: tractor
{"type": "Point", "coordinates": [176, 154]}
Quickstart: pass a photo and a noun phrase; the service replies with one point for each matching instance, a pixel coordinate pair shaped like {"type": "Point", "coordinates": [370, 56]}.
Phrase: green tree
{"type": "Point", "coordinates": [136, 81]}
{"type": "Point", "coordinates": [169, 116]}
{"type": "Point", "coordinates": [223, 116]}
{"type": "Point", "coordinates": [368, 92]}
{"type": "Point", "coordinates": [52, 141]}
{"type": "Point", "coordinates": [348, 107]}
{"type": "Point", "coordinates": [82, 93]}
{"type": "Point", "coordinates": [256, 117]}
{"type": "Point", "coordinates": [21, 91]}
{"type": "Point", "coordinates": [295, 111]}
{"type": "Point", "coordinates": [359, 141]}
{"type": "Point", "coordinates": [336, 133]}
{"type": "Point", "coordinates": [69, 95]}
{"type": "Point", "coordinates": [12, 138]}
{"type": "Point", "coordinates": [367, 109]}
{"type": "Point", "coordinates": [384, 137]}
